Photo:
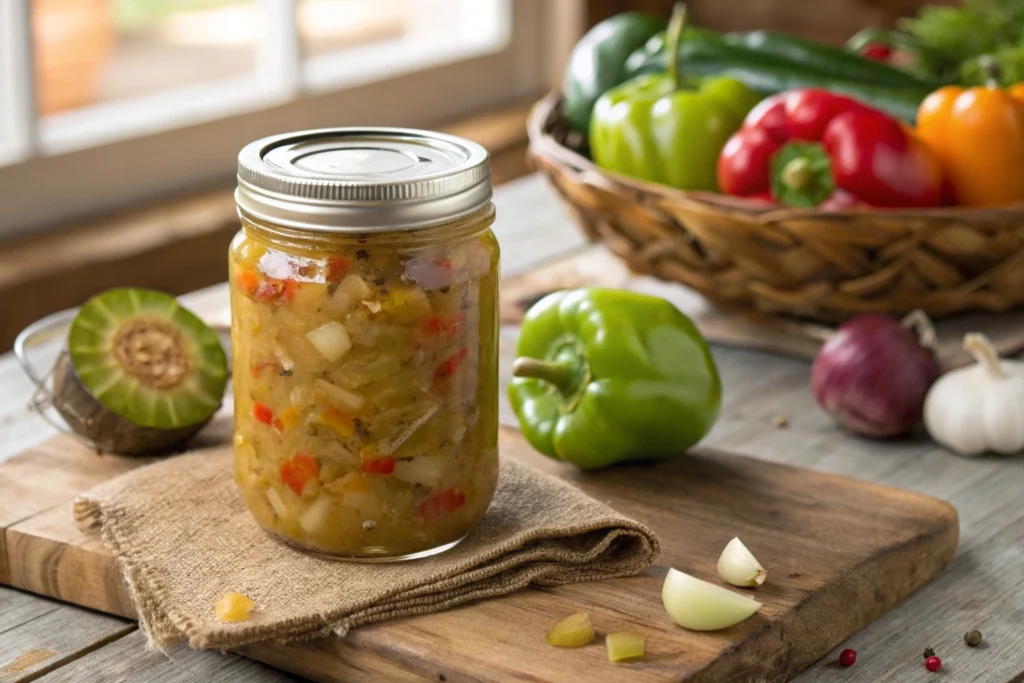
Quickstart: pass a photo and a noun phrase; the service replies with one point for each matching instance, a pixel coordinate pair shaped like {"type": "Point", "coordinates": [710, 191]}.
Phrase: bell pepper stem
{"type": "Point", "coordinates": [802, 174]}
{"type": "Point", "coordinates": [797, 173]}
{"type": "Point", "coordinates": [561, 374]}
{"type": "Point", "coordinates": [672, 37]}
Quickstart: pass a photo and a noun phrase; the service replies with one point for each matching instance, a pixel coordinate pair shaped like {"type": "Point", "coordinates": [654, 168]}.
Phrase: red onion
{"type": "Point", "coordinates": [872, 375]}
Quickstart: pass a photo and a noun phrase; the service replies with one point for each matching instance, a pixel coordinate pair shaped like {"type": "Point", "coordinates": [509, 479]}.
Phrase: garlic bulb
{"type": "Point", "coordinates": [738, 566]}
{"type": "Point", "coordinates": [702, 606]}
{"type": "Point", "coordinates": [979, 408]}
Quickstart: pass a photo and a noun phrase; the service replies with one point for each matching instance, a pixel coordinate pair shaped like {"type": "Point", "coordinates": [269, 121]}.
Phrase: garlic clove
{"type": "Point", "coordinates": [702, 606]}
{"type": "Point", "coordinates": [738, 566]}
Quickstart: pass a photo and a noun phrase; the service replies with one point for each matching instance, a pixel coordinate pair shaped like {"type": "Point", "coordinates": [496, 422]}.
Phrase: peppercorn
{"type": "Point", "coordinates": [928, 652]}
{"type": "Point", "coordinates": [933, 664]}
{"type": "Point", "coordinates": [848, 657]}
{"type": "Point", "coordinates": [973, 638]}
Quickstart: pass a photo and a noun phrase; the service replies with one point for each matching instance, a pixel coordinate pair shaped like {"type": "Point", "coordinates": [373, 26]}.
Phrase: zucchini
{"type": "Point", "coordinates": [706, 54]}
{"type": "Point", "coordinates": [827, 59]}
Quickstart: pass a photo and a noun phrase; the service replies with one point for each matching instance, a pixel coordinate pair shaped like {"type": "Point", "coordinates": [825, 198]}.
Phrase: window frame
{"type": "Point", "coordinates": [58, 180]}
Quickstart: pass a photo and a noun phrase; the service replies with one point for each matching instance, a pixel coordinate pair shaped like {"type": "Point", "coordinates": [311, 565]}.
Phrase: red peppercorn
{"type": "Point", "coordinates": [933, 663]}
{"type": "Point", "coordinates": [847, 657]}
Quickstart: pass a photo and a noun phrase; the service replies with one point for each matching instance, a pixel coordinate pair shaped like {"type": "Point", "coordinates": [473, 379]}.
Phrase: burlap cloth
{"type": "Point", "coordinates": [182, 538]}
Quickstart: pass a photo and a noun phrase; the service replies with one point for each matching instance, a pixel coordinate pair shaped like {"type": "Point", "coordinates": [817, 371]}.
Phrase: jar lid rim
{"type": "Point", "coordinates": [362, 178]}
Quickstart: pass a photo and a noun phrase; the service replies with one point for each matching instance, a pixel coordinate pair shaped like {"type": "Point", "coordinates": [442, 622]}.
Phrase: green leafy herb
{"type": "Point", "coordinates": [954, 44]}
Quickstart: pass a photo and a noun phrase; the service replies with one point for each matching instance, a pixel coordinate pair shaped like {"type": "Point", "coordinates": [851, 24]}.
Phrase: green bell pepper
{"type": "Point", "coordinates": [649, 128]}
{"type": "Point", "coordinates": [598, 61]}
{"type": "Point", "coordinates": [604, 376]}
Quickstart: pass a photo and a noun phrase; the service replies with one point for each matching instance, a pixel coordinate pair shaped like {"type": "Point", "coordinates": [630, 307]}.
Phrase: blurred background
{"type": "Point", "coordinates": [120, 120]}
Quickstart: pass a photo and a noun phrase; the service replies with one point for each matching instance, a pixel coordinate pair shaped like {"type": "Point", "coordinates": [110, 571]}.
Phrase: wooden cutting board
{"type": "Point", "coordinates": [839, 552]}
{"type": "Point", "coordinates": [598, 267]}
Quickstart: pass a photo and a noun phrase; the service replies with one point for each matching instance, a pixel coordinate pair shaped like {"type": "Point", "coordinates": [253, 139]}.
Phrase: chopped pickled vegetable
{"type": "Point", "coordinates": [288, 418]}
{"type": "Point", "coordinates": [233, 607]}
{"type": "Point", "coordinates": [258, 366]}
{"type": "Point", "coordinates": [450, 366]}
{"type": "Point", "coordinates": [337, 268]}
{"type": "Point", "coordinates": [351, 290]}
{"type": "Point", "coordinates": [624, 647]}
{"type": "Point", "coordinates": [442, 324]}
{"type": "Point", "coordinates": [331, 340]}
{"type": "Point", "coordinates": [349, 399]}
{"type": "Point", "coordinates": [394, 444]}
{"type": "Point", "coordinates": [337, 421]}
{"type": "Point", "coordinates": [314, 516]}
{"type": "Point", "coordinates": [274, 498]}
{"type": "Point", "coordinates": [407, 305]}
{"type": "Point", "coordinates": [274, 291]}
{"type": "Point", "coordinates": [262, 413]}
{"type": "Point", "coordinates": [297, 470]}
{"type": "Point", "coordinates": [439, 504]}
{"type": "Point", "coordinates": [573, 631]}
{"type": "Point", "coordinates": [379, 466]}
{"type": "Point", "coordinates": [248, 281]}
{"type": "Point", "coordinates": [425, 470]}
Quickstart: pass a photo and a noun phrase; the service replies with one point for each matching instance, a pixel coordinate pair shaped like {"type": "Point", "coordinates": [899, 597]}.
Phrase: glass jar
{"type": "Point", "coordinates": [364, 291]}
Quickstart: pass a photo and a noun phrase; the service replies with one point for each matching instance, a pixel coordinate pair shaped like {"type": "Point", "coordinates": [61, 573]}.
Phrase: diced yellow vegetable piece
{"type": "Point", "coordinates": [354, 482]}
{"type": "Point", "coordinates": [338, 421]}
{"type": "Point", "coordinates": [573, 631]}
{"type": "Point", "coordinates": [289, 417]}
{"type": "Point", "coordinates": [624, 647]}
{"type": "Point", "coordinates": [407, 304]}
{"type": "Point", "coordinates": [233, 607]}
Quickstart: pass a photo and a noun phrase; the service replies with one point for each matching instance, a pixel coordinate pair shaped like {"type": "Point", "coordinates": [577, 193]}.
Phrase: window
{"type": "Point", "coordinates": [108, 103]}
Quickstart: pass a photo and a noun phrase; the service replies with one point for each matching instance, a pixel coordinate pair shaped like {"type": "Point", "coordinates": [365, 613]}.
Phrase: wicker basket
{"type": "Point", "coordinates": [818, 265]}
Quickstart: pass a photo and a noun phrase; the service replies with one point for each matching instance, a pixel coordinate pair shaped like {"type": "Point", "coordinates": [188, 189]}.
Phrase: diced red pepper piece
{"type": "Point", "coordinates": [297, 470]}
{"type": "Point", "coordinates": [263, 413]}
{"type": "Point", "coordinates": [439, 504]}
{"type": "Point", "coordinates": [259, 366]}
{"type": "Point", "coordinates": [270, 291]}
{"type": "Point", "coordinates": [443, 263]}
{"type": "Point", "coordinates": [337, 268]}
{"type": "Point", "coordinates": [438, 323]}
{"type": "Point", "coordinates": [450, 365]}
{"type": "Point", "coordinates": [379, 466]}
{"type": "Point", "coordinates": [248, 281]}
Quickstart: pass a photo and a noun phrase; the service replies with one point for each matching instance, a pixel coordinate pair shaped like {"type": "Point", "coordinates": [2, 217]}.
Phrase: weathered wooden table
{"type": "Point", "coordinates": [982, 588]}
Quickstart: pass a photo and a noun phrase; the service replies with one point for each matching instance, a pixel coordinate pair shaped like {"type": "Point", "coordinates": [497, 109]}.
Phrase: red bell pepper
{"type": "Point", "coordinates": [297, 470]}
{"type": "Point", "coordinates": [814, 148]}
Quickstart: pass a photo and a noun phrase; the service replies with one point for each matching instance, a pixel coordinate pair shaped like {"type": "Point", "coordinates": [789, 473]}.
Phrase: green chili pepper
{"type": "Point", "coordinates": [653, 129]}
{"type": "Point", "coordinates": [605, 376]}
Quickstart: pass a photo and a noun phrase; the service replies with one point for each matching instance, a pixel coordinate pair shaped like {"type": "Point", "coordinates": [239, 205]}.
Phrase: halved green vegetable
{"type": "Point", "coordinates": [141, 374]}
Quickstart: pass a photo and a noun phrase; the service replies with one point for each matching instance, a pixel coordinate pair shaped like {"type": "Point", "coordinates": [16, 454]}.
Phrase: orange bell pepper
{"type": "Point", "coordinates": [978, 135]}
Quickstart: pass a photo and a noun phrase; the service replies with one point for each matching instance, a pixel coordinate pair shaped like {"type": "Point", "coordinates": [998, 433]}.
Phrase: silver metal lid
{"type": "Point", "coordinates": [362, 179]}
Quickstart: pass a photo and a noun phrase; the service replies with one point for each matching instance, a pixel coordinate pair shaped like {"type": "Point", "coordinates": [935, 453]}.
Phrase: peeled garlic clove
{"type": "Point", "coordinates": [702, 606]}
{"type": "Point", "coordinates": [738, 566]}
